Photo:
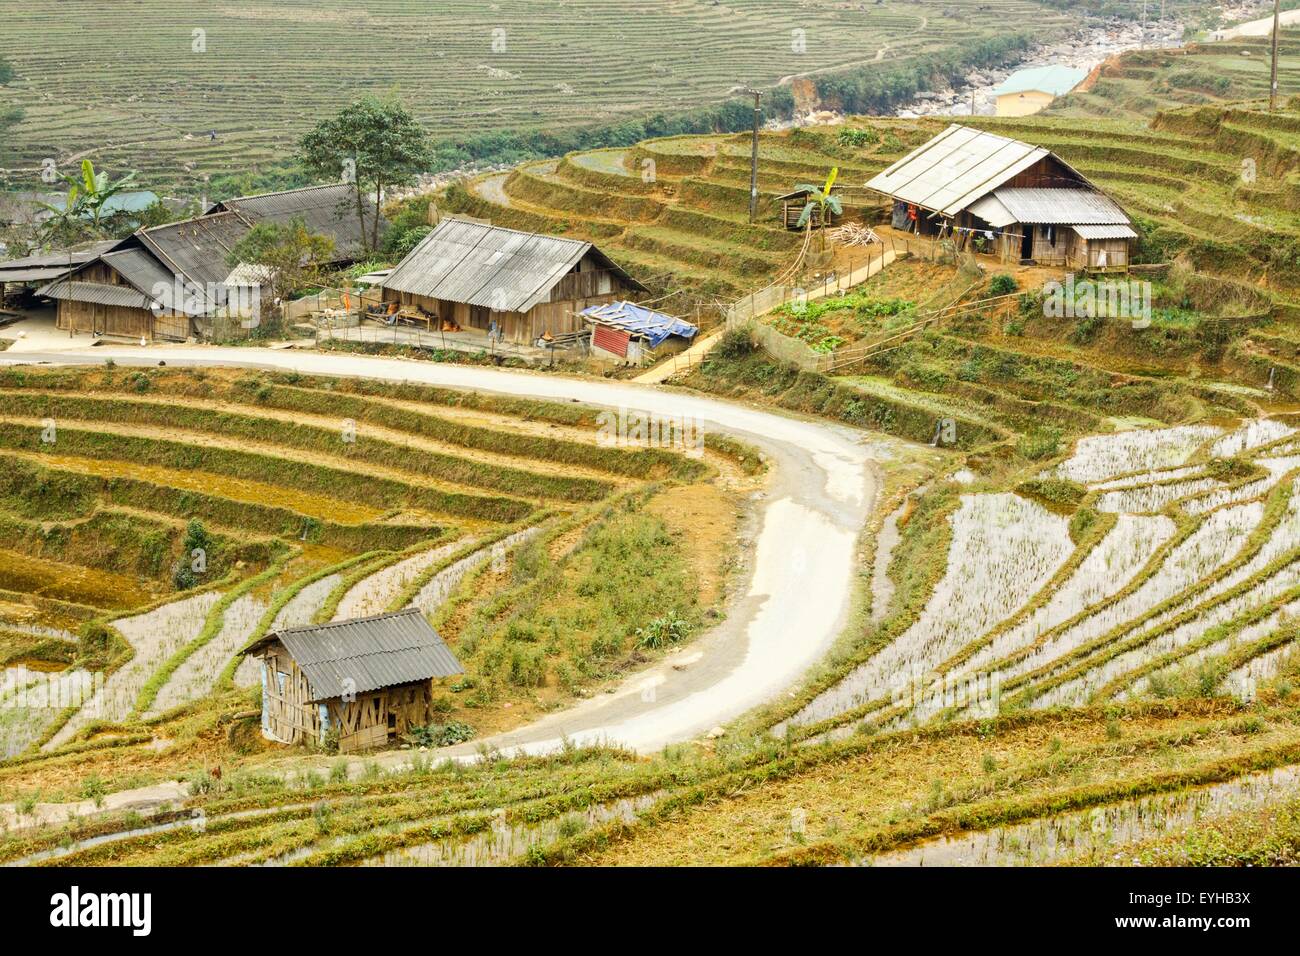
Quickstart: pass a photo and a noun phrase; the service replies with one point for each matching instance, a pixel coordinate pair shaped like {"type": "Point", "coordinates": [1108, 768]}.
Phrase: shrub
{"type": "Point", "coordinates": [735, 344]}
{"type": "Point", "coordinates": [440, 735]}
{"type": "Point", "coordinates": [851, 136]}
{"type": "Point", "coordinates": [1003, 284]}
{"type": "Point", "coordinates": [197, 539]}
{"type": "Point", "coordinates": [661, 632]}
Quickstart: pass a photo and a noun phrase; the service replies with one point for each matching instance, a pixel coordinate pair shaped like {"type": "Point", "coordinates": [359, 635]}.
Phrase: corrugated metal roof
{"type": "Point", "coordinates": [501, 269]}
{"type": "Point", "coordinates": [991, 211]}
{"type": "Point", "coordinates": [1063, 206]}
{"type": "Point", "coordinates": [74, 256]}
{"type": "Point", "coordinates": [197, 250]}
{"type": "Point", "coordinates": [32, 275]}
{"type": "Point", "coordinates": [99, 293]}
{"type": "Point", "coordinates": [140, 268]}
{"type": "Point", "coordinates": [644, 323]}
{"type": "Point", "coordinates": [1056, 80]}
{"type": "Point", "coordinates": [1106, 232]}
{"type": "Point", "coordinates": [956, 168]}
{"type": "Point", "coordinates": [329, 210]}
{"type": "Point", "coordinates": [367, 653]}
{"type": "Point", "coordinates": [250, 275]}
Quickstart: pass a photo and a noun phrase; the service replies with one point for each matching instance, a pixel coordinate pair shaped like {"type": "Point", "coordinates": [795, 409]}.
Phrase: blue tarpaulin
{"type": "Point", "coordinates": [640, 322]}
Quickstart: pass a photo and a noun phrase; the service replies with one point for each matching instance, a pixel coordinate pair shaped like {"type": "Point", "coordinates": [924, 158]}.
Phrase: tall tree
{"type": "Point", "coordinates": [374, 144]}
{"type": "Point", "coordinates": [293, 255]}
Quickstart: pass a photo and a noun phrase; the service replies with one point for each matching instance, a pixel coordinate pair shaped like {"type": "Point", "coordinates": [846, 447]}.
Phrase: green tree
{"type": "Point", "coordinates": [374, 144]}
{"type": "Point", "coordinates": [6, 72]}
{"type": "Point", "coordinates": [196, 551]}
{"type": "Point", "coordinates": [294, 256]}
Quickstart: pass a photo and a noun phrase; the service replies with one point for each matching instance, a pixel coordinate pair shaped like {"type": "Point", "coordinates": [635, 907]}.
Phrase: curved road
{"type": "Point", "coordinates": [820, 491]}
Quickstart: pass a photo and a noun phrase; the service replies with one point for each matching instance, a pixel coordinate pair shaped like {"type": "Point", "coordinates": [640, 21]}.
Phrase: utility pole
{"type": "Point", "coordinates": [972, 101]}
{"type": "Point", "coordinates": [1142, 44]}
{"type": "Point", "coordinates": [1272, 83]}
{"type": "Point", "coordinates": [753, 156]}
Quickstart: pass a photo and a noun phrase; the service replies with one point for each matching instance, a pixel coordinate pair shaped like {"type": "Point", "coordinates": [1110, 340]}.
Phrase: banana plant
{"type": "Point", "coordinates": [88, 197]}
{"type": "Point", "coordinates": [820, 200]}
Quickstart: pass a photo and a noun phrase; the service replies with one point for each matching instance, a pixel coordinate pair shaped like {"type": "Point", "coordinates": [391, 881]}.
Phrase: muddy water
{"type": "Point", "coordinates": [253, 492]}
{"type": "Point", "coordinates": [1098, 834]}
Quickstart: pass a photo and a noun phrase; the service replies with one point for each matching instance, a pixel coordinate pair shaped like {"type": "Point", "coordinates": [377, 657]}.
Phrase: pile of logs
{"type": "Point", "coordinates": [853, 234]}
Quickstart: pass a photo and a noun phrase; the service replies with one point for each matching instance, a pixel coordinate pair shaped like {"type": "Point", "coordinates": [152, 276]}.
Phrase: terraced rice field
{"type": "Point", "coordinates": [311, 501]}
{"type": "Point", "coordinates": [1081, 661]}
{"type": "Point", "coordinates": [675, 211]}
{"type": "Point", "coordinates": [143, 92]}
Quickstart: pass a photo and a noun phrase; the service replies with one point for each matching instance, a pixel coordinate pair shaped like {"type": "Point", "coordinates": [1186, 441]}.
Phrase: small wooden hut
{"type": "Point", "coordinates": [370, 679]}
{"type": "Point", "coordinates": [469, 275]}
{"type": "Point", "coordinates": [793, 203]}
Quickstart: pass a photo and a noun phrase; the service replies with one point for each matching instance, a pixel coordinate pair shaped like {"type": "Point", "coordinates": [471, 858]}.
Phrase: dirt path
{"type": "Point", "coordinates": [821, 490]}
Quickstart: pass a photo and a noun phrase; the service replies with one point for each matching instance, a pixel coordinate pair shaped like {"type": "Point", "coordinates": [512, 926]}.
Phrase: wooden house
{"type": "Point", "coordinates": [470, 275]}
{"type": "Point", "coordinates": [369, 679]}
{"type": "Point", "coordinates": [174, 281]}
{"type": "Point", "coordinates": [1009, 198]}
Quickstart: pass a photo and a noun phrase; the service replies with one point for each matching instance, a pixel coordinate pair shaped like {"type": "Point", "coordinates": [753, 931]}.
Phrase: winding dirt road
{"type": "Point", "coordinates": [820, 492]}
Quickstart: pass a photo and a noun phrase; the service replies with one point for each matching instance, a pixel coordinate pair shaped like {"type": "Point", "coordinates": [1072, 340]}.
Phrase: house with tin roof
{"type": "Point", "coordinates": [1013, 199]}
{"type": "Point", "coordinates": [1027, 91]}
{"type": "Point", "coordinates": [524, 285]}
{"type": "Point", "coordinates": [369, 679]}
{"type": "Point", "coordinates": [173, 281]}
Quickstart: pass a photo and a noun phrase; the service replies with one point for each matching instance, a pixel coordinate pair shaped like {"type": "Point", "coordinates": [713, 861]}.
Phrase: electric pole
{"type": "Point", "coordinates": [1142, 44]}
{"type": "Point", "coordinates": [1272, 83]}
{"type": "Point", "coordinates": [753, 156]}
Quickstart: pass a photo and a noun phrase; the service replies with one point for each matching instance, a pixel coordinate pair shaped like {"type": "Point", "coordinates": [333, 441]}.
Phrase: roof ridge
{"type": "Point", "coordinates": [409, 609]}
{"type": "Point", "coordinates": [281, 192]}
{"type": "Point", "coordinates": [521, 232]}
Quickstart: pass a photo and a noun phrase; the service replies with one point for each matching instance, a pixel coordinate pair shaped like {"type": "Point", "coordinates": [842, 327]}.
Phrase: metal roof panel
{"type": "Point", "coordinates": [367, 653]}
